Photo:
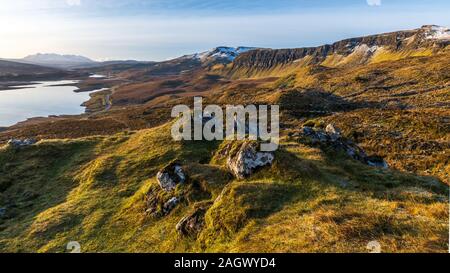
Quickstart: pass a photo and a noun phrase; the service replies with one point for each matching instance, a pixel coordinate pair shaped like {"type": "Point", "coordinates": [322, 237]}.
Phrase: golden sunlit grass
{"type": "Point", "coordinates": [93, 191]}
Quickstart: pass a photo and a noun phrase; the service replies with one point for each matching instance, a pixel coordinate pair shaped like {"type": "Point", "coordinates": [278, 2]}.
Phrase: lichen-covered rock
{"type": "Point", "coordinates": [157, 204]}
{"type": "Point", "coordinates": [247, 159]}
{"type": "Point", "coordinates": [315, 136]}
{"type": "Point", "coordinates": [172, 175]}
{"type": "Point", "coordinates": [376, 161]}
{"type": "Point", "coordinates": [331, 137]}
{"type": "Point", "coordinates": [19, 143]}
{"type": "Point", "coordinates": [170, 205]}
{"type": "Point", "coordinates": [193, 223]}
{"type": "Point", "coordinates": [333, 132]}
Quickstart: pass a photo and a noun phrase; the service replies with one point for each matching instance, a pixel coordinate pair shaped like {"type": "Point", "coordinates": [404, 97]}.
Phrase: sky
{"type": "Point", "coordinates": [163, 29]}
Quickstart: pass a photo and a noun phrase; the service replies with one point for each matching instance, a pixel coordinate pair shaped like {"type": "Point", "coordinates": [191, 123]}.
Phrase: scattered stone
{"type": "Point", "coordinates": [308, 131]}
{"type": "Point", "coordinates": [248, 159]}
{"type": "Point", "coordinates": [19, 143]}
{"type": "Point", "coordinates": [153, 202]}
{"type": "Point", "coordinates": [333, 132]}
{"type": "Point", "coordinates": [172, 175]}
{"type": "Point", "coordinates": [331, 129]}
{"type": "Point", "coordinates": [170, 205]}
{"type": "Point", "coordinates": [376, 161]}
{"type": "Point", "coordinates": [315, 136]}
{"type": "Point", "coordinates": [332, 137]}
{"type": "Point", "coordinates": [156, 205]}
{"type": "Point", "coordinates": [193, 223]}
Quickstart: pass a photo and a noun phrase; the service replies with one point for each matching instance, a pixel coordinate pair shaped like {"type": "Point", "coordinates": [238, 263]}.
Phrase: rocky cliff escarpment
{"type": "Point", "coordinates": [428, 37]}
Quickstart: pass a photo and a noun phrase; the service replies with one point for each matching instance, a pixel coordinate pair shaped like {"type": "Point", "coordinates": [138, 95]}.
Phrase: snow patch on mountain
{"type": "Point", "coordinates": [363, 48]}
{"type": "Point", "coordinates": [222, 52]}
{"type": "Point", "coordinates": [437, 33]}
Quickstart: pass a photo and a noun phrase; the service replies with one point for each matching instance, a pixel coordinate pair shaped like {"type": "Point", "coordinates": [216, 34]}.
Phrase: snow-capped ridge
{"type": "Point", "coordinates": [221, 53]}
{"type": "Point", "coordinates": [434, 32]}
{"type": "Point", "coordinates": [364, 48]}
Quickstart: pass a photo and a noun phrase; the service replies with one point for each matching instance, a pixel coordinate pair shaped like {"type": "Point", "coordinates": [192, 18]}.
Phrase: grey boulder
{"type": "Point", "coordinates": [193, 223]}
{"type": "Point", "coordinates": [19, 143]}
{"type": "Point", "coordinates": [170, 176]}
{"type": "Point", "coordinates": [247, 159]}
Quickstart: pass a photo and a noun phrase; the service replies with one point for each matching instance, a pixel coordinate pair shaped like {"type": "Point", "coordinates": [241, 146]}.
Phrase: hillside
{"type": "Point", "coordinates": [9, 68]}
{"type": "Point", "coordinates": [424, 41]}
{"type": "Point", "coordinates": [99, 190]}
{"type": "Point", "coordinates": [16, 74]}
{"type": "Point", "coordinates": [384, 177]}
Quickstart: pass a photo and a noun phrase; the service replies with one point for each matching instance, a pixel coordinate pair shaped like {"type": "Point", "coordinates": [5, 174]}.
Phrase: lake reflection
{"type": "Point", "coordinates": [40, 100]}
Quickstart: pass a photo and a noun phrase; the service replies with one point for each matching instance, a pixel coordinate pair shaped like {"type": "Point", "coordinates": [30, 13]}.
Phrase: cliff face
{"type": "Point", "coordinates": [427, 37]}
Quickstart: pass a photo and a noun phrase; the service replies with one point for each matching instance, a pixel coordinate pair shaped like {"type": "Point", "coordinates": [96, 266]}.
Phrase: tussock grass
{"type": "Point", "coordinates": [94, 190]}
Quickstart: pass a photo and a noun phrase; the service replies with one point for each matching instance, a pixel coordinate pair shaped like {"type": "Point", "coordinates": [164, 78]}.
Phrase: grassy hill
{"type": "Point", "coordinates": [92, 178]}
{"type": "Point", "coordinates": [94, 190]}
{"type": "Point", "coordinates": [15, 68]}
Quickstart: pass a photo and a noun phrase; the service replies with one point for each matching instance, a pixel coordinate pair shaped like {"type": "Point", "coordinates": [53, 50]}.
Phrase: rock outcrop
{"type": "Point", "coordinates": [170, 176]}
{"type": "Point", "coordinates": [193, 223]}
{"type": "Point", "coordinates": [424, 37]}
{"type": "Point", "coordinates": [331, 137]}
{"type": "Point", "coordinates": [20, 143]}
{"type": "Point", "coordinates": [247, 159]}
{"type": "Point", "coordinates": [170, 205]}
{"type": "Point", "coordinates": [157, 205]}
{"type": "Point", "coordinates": [333, 132]}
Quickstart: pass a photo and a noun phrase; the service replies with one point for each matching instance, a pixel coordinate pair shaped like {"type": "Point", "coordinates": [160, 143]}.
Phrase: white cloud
{"type": "Point", "coordinates": [374, 2]}
{"type": "Point", "coordinates": [73, 2]}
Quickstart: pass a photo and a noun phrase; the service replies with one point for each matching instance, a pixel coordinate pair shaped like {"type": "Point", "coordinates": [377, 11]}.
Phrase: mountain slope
{"type": "Point", "coordinates": [424, 41]}
{"type": "Point", "coordinates": [95, 191]}
{"type": "Point", "coordinates": [93, 178]}
{"type": "Point", "coordinates": [9, 68]}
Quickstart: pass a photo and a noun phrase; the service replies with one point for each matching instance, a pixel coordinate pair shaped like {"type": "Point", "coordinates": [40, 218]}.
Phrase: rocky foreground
{"type": "Point", "coordinates": [132, 192]}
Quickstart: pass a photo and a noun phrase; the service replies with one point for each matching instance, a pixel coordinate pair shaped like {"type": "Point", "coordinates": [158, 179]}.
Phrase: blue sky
{"type": "Point", "coordinates": [163, 29]}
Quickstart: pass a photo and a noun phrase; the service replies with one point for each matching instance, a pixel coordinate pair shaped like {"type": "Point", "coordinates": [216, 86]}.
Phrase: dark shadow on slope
{"type": "Point", "coordinates": [35, 179]}
{"type": "Point", "coordinates": [313, 103]}
{"type": "Point", "coordinates": [382, 183]}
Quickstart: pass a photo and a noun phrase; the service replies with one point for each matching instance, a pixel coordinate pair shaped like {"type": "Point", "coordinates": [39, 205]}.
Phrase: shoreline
{"type": "Point", "coordinates": [100, 101]}
{"type": "Point", "coordinates": [100, 98]}
{"type": "Point", "coordinates": [15, 85]}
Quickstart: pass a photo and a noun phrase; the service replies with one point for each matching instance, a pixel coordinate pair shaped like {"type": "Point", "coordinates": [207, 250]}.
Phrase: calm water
{"type": "Point", "coordinates": [40, 100]}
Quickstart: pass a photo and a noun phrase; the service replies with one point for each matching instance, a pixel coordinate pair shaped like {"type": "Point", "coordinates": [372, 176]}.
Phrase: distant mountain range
{"type": "Point", "coordinates": [66, 62]}
{"type": "Point", "coordinates": [220, 54]}
{"type": "Point", "coordinates": [9, 67]}
{"type": "Point", "coordinates": [366, 49]}
{"type": "Point", "coordinates": [354, 51]}
{"type": "Point", "coordinates": [57, 60]}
